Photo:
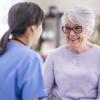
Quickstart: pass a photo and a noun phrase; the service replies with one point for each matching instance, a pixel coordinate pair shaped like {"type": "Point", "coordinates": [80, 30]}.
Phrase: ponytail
{"type": "Point", "coordinates": [4, 41]}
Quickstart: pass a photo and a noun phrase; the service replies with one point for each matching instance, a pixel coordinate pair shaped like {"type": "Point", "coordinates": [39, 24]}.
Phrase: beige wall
{"type": "Point", "coordinates": [62, 5]}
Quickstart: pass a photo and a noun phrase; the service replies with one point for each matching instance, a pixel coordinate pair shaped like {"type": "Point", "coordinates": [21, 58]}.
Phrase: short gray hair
{"type": "Point", "coordinates": [82, 15]}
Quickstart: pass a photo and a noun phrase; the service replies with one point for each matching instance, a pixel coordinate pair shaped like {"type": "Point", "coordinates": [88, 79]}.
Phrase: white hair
{"type": "Point", "coordinates": [82, 15]}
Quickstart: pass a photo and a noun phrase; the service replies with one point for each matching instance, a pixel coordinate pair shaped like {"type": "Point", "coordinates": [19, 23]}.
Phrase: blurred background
{"type": "Point", "coordinates": [52, 36]}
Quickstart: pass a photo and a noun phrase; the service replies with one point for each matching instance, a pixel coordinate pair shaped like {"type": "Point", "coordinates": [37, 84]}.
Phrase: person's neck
{"type": "Point", "coordinates": [21, 40]}
{"type": "Point", "coordinates": [80, 49]}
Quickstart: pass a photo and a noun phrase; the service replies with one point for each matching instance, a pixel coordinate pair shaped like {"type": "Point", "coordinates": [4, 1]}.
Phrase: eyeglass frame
{"type": "Point", "coordinates": [72, 29]}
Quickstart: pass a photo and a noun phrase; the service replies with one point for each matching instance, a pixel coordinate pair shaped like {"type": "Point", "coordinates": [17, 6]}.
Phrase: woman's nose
{"type": "Point", "coordinates": [72, 33]}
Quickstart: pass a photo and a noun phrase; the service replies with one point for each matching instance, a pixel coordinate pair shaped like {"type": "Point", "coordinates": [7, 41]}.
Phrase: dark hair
{"type": "Point", "coordinates": [21, 16]}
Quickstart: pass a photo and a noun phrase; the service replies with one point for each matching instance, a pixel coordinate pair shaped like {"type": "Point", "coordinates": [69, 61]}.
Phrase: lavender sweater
{"type": "Point", "coordinates": [70, 76]}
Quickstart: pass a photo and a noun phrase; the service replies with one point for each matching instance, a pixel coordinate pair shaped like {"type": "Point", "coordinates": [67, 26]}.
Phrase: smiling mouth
{"type": "Point", "coordinates": [73, 39]}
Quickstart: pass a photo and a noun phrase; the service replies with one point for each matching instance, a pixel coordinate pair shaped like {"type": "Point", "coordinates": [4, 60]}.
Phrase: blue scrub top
{"type": "Point", "coordinates": [20, 73]}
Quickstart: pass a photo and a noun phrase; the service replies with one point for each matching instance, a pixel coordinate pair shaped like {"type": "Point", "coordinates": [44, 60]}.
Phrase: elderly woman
{"type": "Point", "coordinates": [72, 71]}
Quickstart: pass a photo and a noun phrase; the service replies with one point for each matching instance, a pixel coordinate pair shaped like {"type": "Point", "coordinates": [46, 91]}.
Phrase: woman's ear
{"type": "Point", "coordinates": [32, 28]}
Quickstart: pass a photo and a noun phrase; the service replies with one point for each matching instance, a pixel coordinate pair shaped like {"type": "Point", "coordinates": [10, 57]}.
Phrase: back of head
{"type": "Point", "coordinates": [20, 17]}
{"type": "Point", "coordinates": [81, 15]}
{"type": "Point", "coordinates": [23, 15]}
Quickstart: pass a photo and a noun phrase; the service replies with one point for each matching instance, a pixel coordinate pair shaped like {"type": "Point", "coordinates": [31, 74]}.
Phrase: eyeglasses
{"type": "Point", "coordinates": [76, 29]}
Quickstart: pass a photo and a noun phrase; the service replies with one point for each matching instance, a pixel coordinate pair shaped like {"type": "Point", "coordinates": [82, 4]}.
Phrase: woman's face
{"type": "Point", "coordinates": [36, 34]}
{"type": "Point", "coordinates": [75, 34]}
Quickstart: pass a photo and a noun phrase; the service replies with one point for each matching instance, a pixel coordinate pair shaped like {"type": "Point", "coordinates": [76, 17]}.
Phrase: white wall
{"type": "Point", "coordinates": [4, 8]}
